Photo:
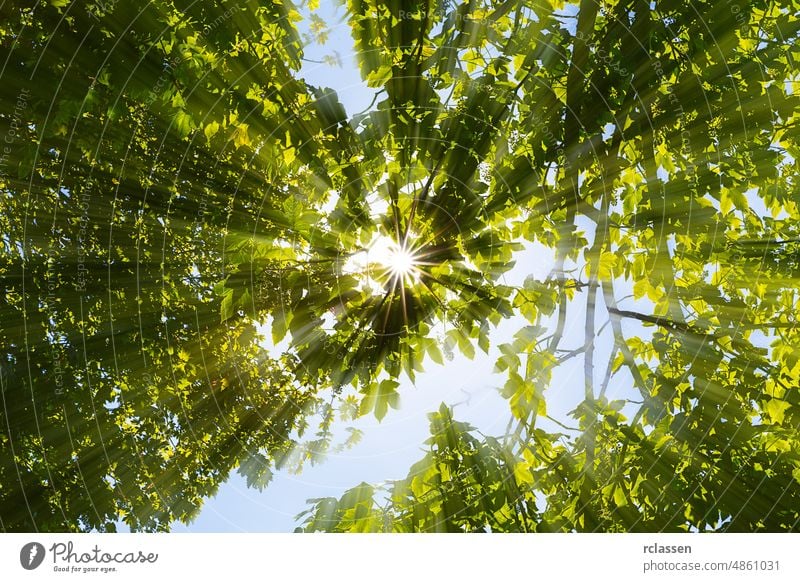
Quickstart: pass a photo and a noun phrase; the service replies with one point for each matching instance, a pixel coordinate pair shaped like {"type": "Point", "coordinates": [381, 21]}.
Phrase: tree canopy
{"type": "Point", "coordinates": [172, 186]}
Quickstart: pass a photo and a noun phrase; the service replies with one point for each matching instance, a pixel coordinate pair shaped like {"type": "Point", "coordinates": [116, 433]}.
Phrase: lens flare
{"type": "Point", "coordinates": [384, 261]}
{"type": "Point", "coordinates": [401, 261]}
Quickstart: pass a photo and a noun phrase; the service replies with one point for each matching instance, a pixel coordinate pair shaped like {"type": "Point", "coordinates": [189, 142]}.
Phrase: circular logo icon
{"type": "Point", "coordinates": [31, 555]}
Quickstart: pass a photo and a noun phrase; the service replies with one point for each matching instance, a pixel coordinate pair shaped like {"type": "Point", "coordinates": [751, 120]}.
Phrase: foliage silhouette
{"type": "Point", "coordinates": [170, 182]}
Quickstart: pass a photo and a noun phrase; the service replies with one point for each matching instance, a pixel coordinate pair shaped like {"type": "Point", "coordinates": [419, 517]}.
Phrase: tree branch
{"type": "Point", "coordinates": [616, 326]}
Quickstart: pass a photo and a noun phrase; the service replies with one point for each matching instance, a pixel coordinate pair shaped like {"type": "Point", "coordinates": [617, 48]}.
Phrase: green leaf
{"type": "Point", "coordinates": [619, 497]}
{"type": "Point", "coordinates": [211, 130]}
{"type": "Point", "coordinates": [183, 123]}
{"type": "Point", "coordinates": [226, 306]}
{"type": "Point", "coordinates": [776, 409]}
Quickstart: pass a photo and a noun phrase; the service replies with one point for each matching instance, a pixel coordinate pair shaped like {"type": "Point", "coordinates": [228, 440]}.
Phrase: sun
{"type": "Point", "coordinates": [385, 260]}
{"type": "Point", "coordinates": [401, 261]}
{"type": "Point", "coordinates": [398, 259]}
